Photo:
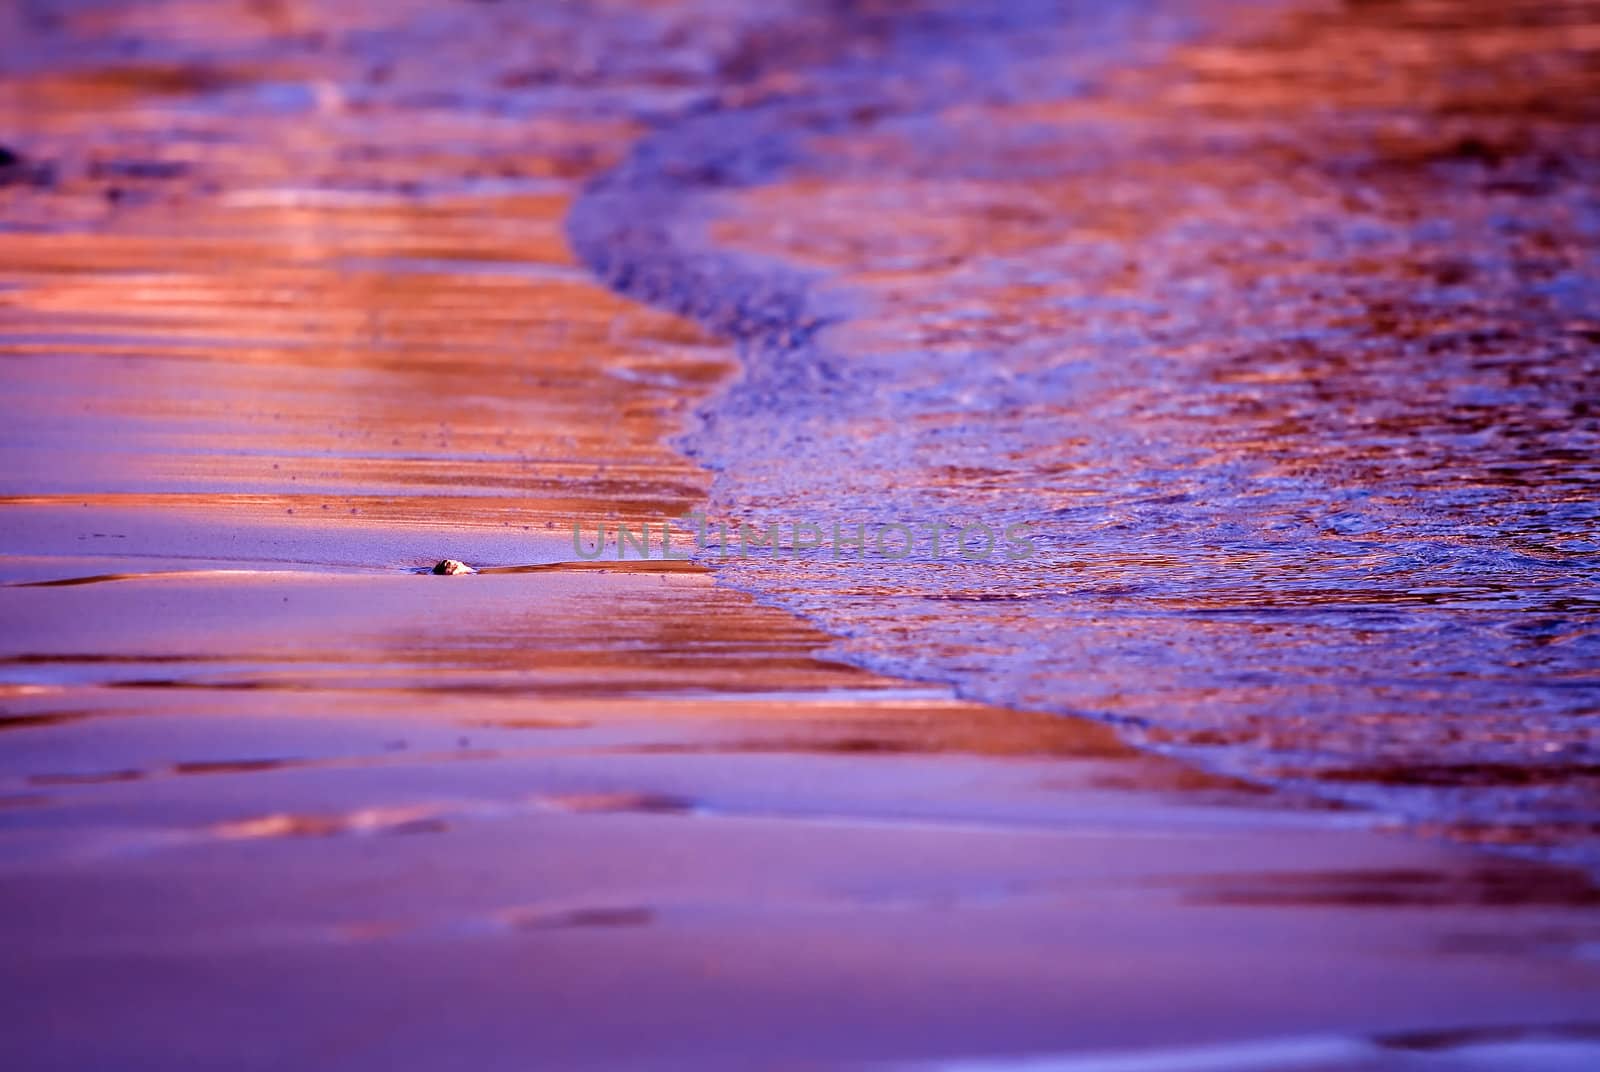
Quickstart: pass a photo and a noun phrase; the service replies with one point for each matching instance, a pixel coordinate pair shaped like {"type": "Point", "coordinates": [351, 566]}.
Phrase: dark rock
{"type": "Point", "coordinates": [450, 568]}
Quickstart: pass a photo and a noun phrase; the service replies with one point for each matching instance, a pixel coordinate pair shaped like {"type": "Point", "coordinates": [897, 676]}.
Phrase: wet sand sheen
{"type": "Point", "coordinates": [269, 797]}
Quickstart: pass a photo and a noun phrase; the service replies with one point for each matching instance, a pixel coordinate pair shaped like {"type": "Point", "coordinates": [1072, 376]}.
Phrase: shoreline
{"type": "Point", "coordinates": [271, 798]}
{"type": "Point", "coordinates": [1200, 325]}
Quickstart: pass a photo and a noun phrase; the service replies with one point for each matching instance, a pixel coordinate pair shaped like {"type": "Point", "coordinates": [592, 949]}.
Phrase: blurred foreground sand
{"type": "Point", "coordinates": [270, 798]}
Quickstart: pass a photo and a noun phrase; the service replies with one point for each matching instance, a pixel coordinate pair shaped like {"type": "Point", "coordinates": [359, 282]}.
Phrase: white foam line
{"type": "Point", "coordinates": [1276, 1054]}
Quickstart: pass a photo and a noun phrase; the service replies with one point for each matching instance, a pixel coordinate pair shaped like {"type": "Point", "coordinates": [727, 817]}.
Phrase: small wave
{"type": "Point", "coordinates": [1297, 403]}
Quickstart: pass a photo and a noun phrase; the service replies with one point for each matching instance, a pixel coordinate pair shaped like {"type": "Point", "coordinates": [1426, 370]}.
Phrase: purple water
{"type": "Point", "coordinates": [1278, 332]}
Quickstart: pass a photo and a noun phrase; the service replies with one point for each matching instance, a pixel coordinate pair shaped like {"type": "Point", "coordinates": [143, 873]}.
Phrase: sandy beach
{"type": "Point", "coordinates": [289, 313]}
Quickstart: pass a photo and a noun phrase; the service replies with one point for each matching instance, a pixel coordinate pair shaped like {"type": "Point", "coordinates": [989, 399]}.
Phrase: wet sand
{"type": "Point", "coordinates": [268, 796]}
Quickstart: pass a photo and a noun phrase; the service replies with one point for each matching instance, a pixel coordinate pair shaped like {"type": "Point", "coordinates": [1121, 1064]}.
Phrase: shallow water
{"type": "Point", "coordinates": [288, 317]}
{"type": "Point", "coordinates": [1279, 333]}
